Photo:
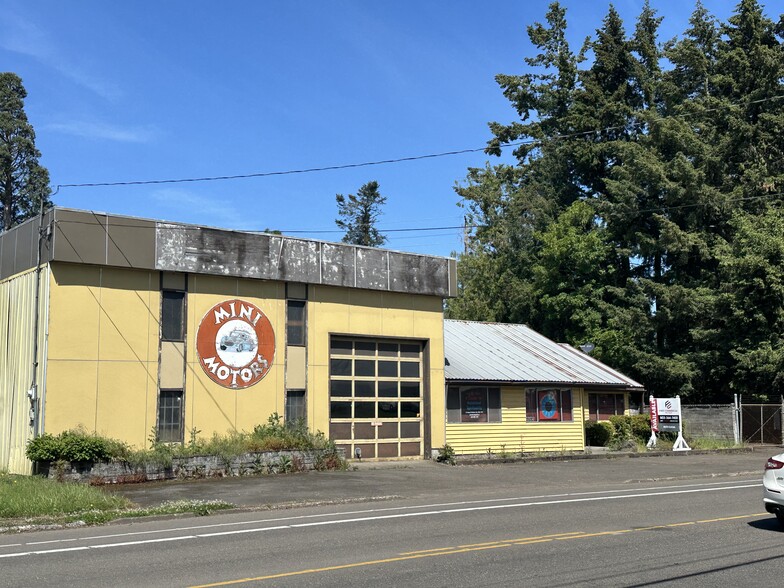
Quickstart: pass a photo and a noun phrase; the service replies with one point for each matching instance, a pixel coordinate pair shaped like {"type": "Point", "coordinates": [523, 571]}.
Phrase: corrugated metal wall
{"type": "Point", "coordinates": [17, 299]}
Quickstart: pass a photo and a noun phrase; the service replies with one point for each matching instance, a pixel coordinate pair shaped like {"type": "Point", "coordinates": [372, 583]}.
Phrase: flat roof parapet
{"type": "Point", "coordinates": [97, 238]}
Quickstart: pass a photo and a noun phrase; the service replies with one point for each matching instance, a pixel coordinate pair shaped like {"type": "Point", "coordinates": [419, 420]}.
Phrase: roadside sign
{"type": "Point", "coordinates": [666, 417]}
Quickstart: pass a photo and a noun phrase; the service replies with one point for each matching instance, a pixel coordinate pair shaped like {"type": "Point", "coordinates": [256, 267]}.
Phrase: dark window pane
{"type": "Point", "coordinates": [387, 369]}
{"type": "Point", "coordinates": [494, 405]}
{"type": "Point", "coordinates": [340, 347]}
{"type": "Point", "coordinates": [387, 410]}
{"type": "Point", "coordinates": [409, 409]}
{"type": "Point", "coordinates": [340, 387]}
{"type": "Point", "coordinates": [410, 350]}
{"type": "Point", "coordinates": [340, 367]}
{"type": "Point", "coordinates": [340, 410]}
{"type": "Point", "coordinates": [593, 407]}
{"type": "Point", "coordinates": [295, 406]}
{"type": "Point", "coordinates": [387, 389]}
{"type": "Point", "coordinates": [172, 316]}
{"type": "Point", "coordinates": [170, 428]}
{"type": "Point", "coordinates": [530, 406]}
{"type": "Point", "coordinates": [364, 410]}
{"type": "Point", "coordinates": [364, 389]}
{"type": "Point", "coordinates": [409, 389]}
{"type": "Point", "coordinates": [364, 367]}
{"type": "Point", "coordinates": [566, 405]}
{"type": "Point", "coordinates": [387, 349]}
{"type": "Point", "coordinates": [453, 405]}
{"type": "Point", "coordinates": [409, 369]}
{"type": "Point", "coordinates": [295, 322]}
{"type": "Point", "coordinates": [364, 348]}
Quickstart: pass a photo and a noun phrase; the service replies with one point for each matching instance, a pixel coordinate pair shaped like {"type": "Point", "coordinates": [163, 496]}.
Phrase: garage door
{"type": "Point", "coordinates": [376, 392]}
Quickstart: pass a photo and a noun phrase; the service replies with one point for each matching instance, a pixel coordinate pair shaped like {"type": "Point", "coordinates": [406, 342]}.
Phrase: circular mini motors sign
{"type": "Point", "coordinates": [235, 344]}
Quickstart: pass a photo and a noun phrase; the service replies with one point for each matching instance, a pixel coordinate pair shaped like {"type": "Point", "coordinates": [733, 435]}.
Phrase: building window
{"type": "Point", "coordinates": [172, 315]}
{"type": "Point", "coordinates": [295, 322]}
{"type": "Point", "coordinates": [602, 406]}
{"type": "Point", "coordinates": [170, 416]}
{"type": "Point", "coordinates": [547, 405]}
{"type": "Point", "coordinates": [474, 404]}
{"type": "Point", "coordinates": [295, 407]}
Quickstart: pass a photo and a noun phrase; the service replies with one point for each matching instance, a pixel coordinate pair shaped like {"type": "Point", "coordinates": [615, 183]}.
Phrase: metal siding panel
{"type": "Point", "coordinates": [80, 237]}
{"type": "Point", "coordinates": [17, 297]}
{"type": "Point", "coordinates": [131, 242]}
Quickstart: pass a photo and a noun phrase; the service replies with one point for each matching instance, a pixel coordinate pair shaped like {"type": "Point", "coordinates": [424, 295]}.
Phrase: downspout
{"type": "Point", "coordinates": [32, 393]}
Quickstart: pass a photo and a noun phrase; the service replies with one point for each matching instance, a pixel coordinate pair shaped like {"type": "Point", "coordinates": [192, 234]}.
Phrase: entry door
{"type": "Point", "coordinates": [376, 392]}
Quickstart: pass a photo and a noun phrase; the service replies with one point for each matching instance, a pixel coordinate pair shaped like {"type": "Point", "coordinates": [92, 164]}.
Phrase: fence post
{"type": "Point", "coordinates": [736, 419]}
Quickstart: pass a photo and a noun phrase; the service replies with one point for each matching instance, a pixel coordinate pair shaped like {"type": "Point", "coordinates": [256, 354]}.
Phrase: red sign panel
{"type": "Point", "coordinates": [235, 344]}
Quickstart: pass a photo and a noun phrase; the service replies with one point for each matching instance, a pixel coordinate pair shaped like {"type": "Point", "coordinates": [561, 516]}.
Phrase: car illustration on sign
{"type": "Point", "coordinates": [238, 341]}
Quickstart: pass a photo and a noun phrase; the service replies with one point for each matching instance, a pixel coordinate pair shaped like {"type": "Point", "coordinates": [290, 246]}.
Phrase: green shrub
{"type": "Point", "coordinates": [74, 445]}
{"type": "Point", "coordinates": [598, 433]}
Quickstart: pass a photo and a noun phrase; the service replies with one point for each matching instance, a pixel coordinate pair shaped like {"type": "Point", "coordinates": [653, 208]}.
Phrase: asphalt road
{"type": "Point", "coordinates": [695, 519]}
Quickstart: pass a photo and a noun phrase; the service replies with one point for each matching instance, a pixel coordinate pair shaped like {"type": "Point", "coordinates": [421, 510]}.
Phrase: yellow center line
{"type": "Point", "coordinates": [470, 548]}
{"type": "Point", "coordinates": [548, 537]}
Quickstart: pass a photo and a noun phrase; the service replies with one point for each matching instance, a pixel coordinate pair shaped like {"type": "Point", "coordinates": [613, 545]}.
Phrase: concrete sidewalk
{"type": "Point", "coordinates": [412, 480]}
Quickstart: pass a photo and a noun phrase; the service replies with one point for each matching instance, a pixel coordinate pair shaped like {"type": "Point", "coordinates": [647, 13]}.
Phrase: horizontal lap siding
{"type": "Point", "coordinates": [513, 434]}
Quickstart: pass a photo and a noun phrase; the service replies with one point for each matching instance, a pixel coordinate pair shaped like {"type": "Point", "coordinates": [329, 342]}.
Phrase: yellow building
{"type": "Point", "coordinates": [135, 328]}
{"type": "Point", "coordinates": [510, 389]}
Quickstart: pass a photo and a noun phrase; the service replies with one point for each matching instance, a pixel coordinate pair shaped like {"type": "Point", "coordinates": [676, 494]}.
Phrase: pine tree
{"type": "Point", "coordinates": [359, 214]}
{"type": "Point", "coordinates": [24, 183]}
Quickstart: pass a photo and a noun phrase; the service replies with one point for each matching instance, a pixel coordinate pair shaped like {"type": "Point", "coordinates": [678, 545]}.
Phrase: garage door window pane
{"type": "Point", "coordinates": [340, 367]}
{"type": "Point", "coordinates": [340, 410]}
{"type": "Point", "coordinates": [409, 409]}
{"type": "Point", "coordinates": [387, 410]}
{"type": "Point", "coordinates": [409, 389]}
{"type": "Point", "coordinates": [387, 389]}
{"type": "Point", "coordinates": [387, 349]}
{"type": "Point", "coordinates": [364, 410]}
{"type": "Point", "coordinates": [340, 347]}
{"type": "Point", "coordinates": [340, 388]}
{"type": "Point", "coordinates": [364, 389]}
{"type": "Point", "coordinates": [387, 369]}
{"type": "Point", "coordinates": [409, 369]}
{"type": "Point", "coordinates": [365, 368]}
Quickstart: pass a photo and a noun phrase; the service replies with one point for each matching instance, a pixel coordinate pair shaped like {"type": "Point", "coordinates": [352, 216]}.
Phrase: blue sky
{"type": "Point", "coordinates": [147, 90]}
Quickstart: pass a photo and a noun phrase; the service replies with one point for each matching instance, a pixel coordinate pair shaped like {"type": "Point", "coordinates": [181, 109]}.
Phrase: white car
{"type": "Point", "coordinates": [773, 487]}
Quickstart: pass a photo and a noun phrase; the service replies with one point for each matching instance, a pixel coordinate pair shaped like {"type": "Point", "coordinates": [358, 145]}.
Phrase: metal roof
{"type": "Point", "coordinates": [498, 352]}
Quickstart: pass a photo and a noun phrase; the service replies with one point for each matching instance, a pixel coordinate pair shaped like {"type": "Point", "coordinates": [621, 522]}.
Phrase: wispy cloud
{"type": "Point", "coordinates": [190, 207]}
{"type": "Point", "coordinates": [23, 36]}
{"type": "Point", "coordinates": [95, 130]}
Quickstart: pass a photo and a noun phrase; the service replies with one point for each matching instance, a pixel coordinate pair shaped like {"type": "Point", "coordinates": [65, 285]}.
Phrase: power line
{"type": "Point", "coordinates": [383, 161]}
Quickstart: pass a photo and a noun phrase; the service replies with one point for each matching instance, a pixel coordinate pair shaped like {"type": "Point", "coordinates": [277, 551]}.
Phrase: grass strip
{"type": "Point", "coordinates": [36, 500]}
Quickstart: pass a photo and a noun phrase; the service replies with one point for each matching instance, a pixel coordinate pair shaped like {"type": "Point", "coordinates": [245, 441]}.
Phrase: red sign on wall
{"type": "Point", "coordinates": [235, 344]}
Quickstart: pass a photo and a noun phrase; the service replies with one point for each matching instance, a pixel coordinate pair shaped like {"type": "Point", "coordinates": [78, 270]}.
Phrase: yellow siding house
{"type": "Point", "coordinates": [512, 390]}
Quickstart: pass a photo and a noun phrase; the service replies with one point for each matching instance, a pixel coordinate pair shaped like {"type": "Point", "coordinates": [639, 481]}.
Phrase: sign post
{"type": "Point", "coordinates": [666, 417]}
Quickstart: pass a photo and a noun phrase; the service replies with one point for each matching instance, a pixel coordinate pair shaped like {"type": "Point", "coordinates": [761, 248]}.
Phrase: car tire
{"type": "Point", "coordinates": [780, 517]}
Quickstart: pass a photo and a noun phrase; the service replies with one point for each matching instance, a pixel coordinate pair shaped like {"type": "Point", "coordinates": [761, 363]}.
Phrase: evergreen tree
{"type": "Point", "coordinates": [644, 212]}
{"type": "Point", "coordinates": [358, 216]}
{"type": "Point", "coordinates": [24, 183]}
